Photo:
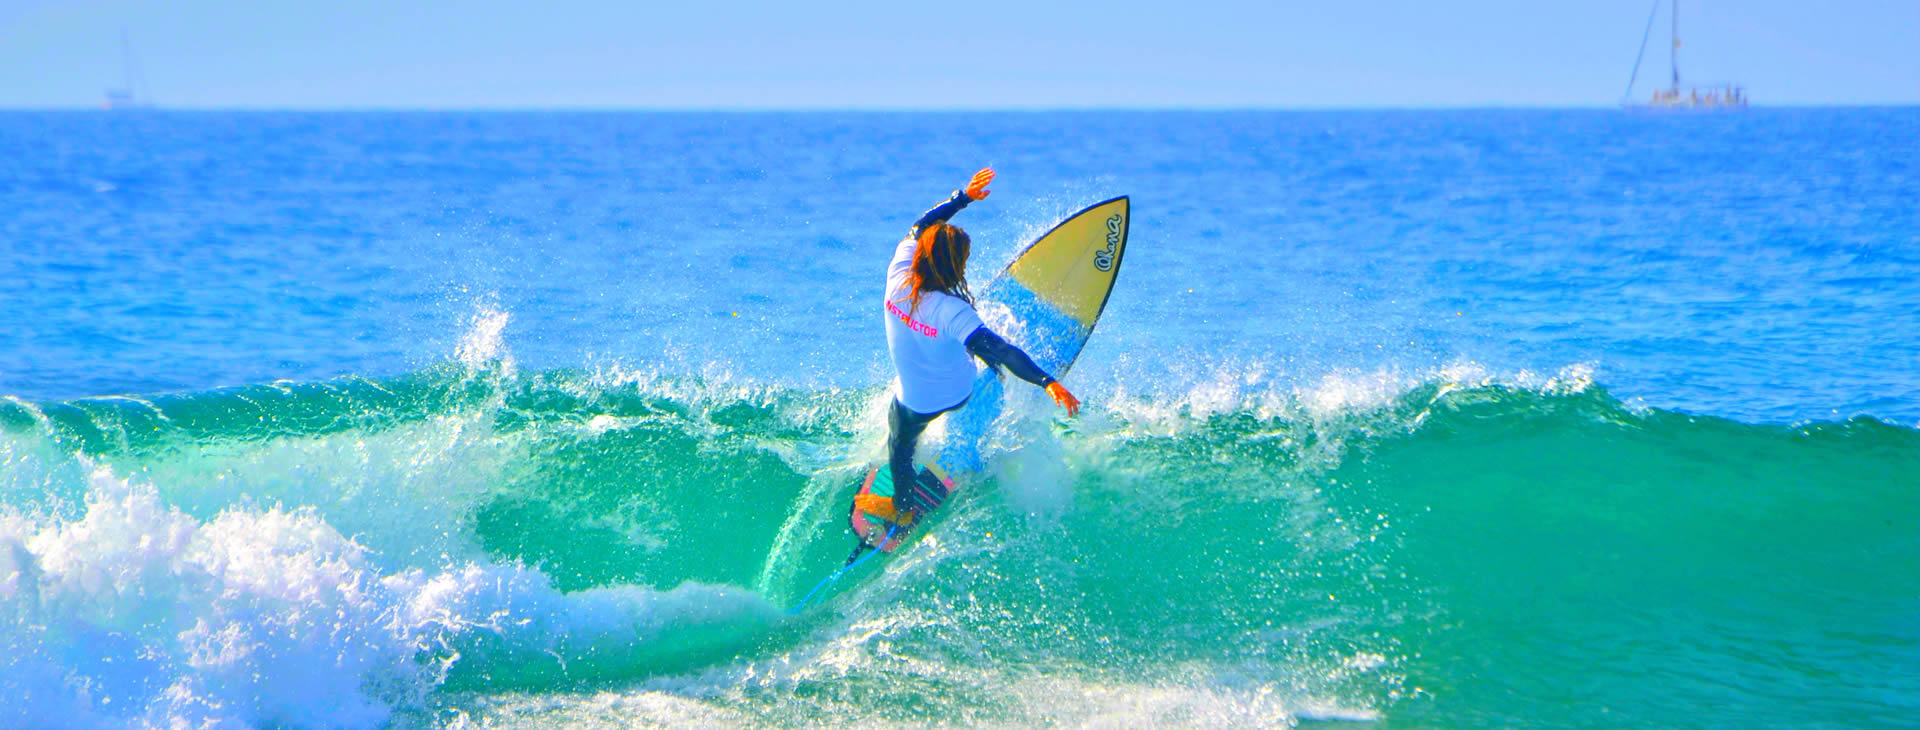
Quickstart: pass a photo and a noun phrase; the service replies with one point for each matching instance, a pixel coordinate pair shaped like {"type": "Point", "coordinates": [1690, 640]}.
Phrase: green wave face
{"type": "Point", "coordinates": [1470, 555]}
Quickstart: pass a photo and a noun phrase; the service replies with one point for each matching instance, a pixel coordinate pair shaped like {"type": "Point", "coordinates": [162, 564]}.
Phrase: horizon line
{"type": "Point", "coordinates": [584, 108]}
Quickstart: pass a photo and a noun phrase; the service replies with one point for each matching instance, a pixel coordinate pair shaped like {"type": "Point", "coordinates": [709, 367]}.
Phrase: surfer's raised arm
{"type": "Point", "coordinates": [976, 190]}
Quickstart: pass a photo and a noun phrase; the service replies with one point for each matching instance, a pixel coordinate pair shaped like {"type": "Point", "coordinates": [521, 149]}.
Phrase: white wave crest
{"type": "Point", "coordinates": [484, 343]}
{"type": "Point", "coordinates": [141, 614]}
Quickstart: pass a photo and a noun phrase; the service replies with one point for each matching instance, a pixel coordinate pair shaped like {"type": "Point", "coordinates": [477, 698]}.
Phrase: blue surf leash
{"type": "Point", "coordinates": [852, 562]}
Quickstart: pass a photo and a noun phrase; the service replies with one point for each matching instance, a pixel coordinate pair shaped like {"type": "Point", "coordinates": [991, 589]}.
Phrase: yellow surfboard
{"type": "Point", "coordinates": [1067, 275]}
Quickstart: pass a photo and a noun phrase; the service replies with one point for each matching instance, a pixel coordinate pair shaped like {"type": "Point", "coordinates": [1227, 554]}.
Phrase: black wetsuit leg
{"type": "Point", "coordinates": [904, 427]}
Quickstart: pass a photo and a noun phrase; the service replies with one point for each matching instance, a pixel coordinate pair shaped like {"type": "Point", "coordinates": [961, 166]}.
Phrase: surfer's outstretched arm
{"type": "Point", "coordinates": [976, 189]}
{"type": "Point", "coordinates": [986, 345]}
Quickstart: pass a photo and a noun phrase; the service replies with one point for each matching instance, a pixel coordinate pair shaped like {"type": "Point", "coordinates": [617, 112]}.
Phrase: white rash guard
{"type": "Point", "coordinates": [929, 349]}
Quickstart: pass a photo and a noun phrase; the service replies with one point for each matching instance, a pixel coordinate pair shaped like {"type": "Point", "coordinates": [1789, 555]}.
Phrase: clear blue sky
{"type": "Point", "coordinates": [981, 54]}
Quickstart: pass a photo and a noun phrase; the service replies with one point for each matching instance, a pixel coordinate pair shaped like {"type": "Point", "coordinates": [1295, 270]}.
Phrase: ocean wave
{"type": "Point", "coordinates": [440, 543]}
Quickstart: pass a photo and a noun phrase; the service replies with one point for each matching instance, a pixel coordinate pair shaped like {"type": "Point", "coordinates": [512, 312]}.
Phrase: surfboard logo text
{"type": "Point", "coordinates": [1103, 259]}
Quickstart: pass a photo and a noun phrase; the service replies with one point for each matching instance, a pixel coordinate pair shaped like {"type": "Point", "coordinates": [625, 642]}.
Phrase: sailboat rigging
{"type": "Point", "coordinates": [133, 92]}
{"type": "Point", "coordinates": [1710, 96]}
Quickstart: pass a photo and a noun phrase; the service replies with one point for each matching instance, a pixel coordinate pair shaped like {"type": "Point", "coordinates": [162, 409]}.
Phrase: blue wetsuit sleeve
{"type": "Point", "coordinates": [986, 345]}
{"type": "Point", "coordinates": [940, 213]}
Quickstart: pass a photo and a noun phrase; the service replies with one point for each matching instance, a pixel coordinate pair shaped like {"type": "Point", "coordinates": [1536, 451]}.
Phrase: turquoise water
{"type": "Point", "coordinates": [1469, 419]}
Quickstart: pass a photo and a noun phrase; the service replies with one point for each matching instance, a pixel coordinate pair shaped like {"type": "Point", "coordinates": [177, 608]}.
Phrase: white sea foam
{"type": "Point", "coordinates": [1262, 390]}
{"type": "Point", "coordinates": [139, 614]}
{"type": "Point", "coordinates": [484, 343]}
{"type": "Point", "coordinates": [764, 694]}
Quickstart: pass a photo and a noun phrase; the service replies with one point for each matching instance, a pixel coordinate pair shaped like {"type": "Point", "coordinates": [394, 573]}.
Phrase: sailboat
{"type": "Point", "coordinates": [130, 95]}
{"type": "Point", "coordinates": [1709, 96]}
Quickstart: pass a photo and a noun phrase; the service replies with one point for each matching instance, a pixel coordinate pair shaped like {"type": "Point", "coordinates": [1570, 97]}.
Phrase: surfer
{"type": "Point", "coordinates": [932, 328]}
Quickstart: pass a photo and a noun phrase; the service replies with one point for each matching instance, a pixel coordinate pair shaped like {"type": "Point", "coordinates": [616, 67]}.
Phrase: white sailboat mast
{"type": "Point", "coordinates": [1675, 58]}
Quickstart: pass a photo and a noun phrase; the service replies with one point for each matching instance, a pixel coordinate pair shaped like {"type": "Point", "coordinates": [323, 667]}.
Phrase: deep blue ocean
{"type": "Point", "coordinates": [1482, 418]}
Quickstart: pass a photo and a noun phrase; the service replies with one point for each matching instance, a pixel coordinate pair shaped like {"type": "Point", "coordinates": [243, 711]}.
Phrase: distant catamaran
{"type": "Point", "coordinates": [1710, 96]}
{"type": "Point", "coordinates": [133, 93]}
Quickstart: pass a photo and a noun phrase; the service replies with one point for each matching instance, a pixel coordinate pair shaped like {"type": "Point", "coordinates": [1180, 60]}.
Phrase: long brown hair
{"type": "Point", "coordinates": [939, 264]}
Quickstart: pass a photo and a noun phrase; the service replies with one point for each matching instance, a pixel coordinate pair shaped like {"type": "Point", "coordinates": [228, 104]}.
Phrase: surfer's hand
{"type": "Point", "coordinates": [977, 187]}
{"type": "Point", "coordinates": [1064, 398]}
